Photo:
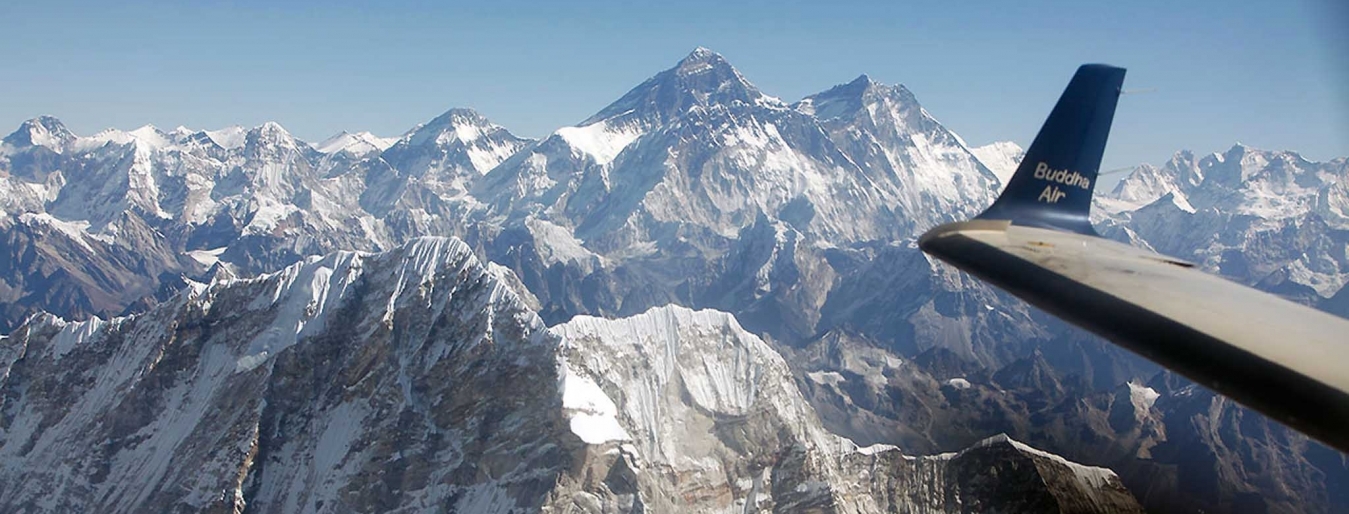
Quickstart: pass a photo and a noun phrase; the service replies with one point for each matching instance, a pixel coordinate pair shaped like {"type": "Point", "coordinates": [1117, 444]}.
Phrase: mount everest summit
{"type": "Point", "coordinates": [764, 247]}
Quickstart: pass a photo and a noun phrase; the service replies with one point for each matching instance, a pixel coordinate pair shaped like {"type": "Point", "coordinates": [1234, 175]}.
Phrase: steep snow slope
{"type": "Point", "coordinates": [289, 392]}
{"type": "Point", "coordinates": [1001, 158]}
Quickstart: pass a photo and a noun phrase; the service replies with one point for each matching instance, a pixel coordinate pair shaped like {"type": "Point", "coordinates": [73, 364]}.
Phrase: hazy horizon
{"type": "Point", "coordinates": [1213, 74]}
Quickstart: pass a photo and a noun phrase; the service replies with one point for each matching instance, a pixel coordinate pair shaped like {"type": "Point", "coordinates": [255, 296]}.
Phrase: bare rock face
{"type": "Point", "coordinates": [997, 474]}
{"type": "Point", "coordinates": [351, 382]}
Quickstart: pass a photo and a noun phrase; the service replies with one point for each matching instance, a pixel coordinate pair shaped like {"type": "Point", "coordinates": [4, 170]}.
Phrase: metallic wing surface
{"type": "Point", "coordinates": [1284, 359]}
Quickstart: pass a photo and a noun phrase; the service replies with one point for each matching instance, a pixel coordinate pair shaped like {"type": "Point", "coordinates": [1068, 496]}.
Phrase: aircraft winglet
{"type": "Point", "coordinates": [1052, 187]}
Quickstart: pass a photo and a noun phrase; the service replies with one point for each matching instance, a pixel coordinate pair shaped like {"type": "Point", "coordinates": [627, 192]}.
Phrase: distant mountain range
{"type": "Point", "coordinates": [766, 249]}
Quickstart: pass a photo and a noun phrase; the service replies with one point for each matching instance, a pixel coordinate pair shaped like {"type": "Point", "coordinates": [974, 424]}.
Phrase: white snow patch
{"type": "Point", "coordinates": [958, 383]}
{"type": "Point", "coordinates": [360, 143]}
{"type": "Point", "coordinates": [556, 244]}
{"type": "Point", "coordinates": [1143, 397]}
{"type": "Point", "coordinates": [75, 334]}
{"type": "Point", "coordinates": [1181, 202]}
{"type": "Point", "coordinates": [268, 215]}
{"type": "Point", "coordinates": [593, 416]}
{"type": "Point", "coordinates": [303, 294]}
{"type": "Point", "coordinates": [1001, 158]}
{"type": "Point", "coordinates": [228, 138]}
{"type": "Point", "coordinates": [832, 378]}
{"type": "Point", "coordinates": [77, 231]}
{"type": "Point", "coordinates": [152, 137]}
{"type": "Point", "coordinates": [467, 132]}
{"type": "Point", "coordinates": [876, 448]}
{"type": "Point", "coordinates": [207, 257]}
{"type": "Point", "coordinates": [149, 136]}
{"type": "Point", "coordinates": [487, 154]}
{"type": "Point", "coordinates": [598, 140]}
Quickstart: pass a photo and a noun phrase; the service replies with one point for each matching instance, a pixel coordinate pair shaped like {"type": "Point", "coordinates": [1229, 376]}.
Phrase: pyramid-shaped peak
{"type": "Point", "coordinates": [229, 138]}
{"type": "Point", "coordinates": [701, 79]}
{"type": "Point", "coordinates": [459, 116]}
{"type": "Point", "coordinates": [459, 124]}
{"type": "Point", "coordinates": [863, 85]}
{"type": "Point", "coordinates": [337, 142]}
{"type": "Point", "coordinates": [1032, 371]}
{"type": "Point", "coordinates": [354, 142]}
{"type": "Point", "coordinates": [702, 52]}
{"type": "Point", "coordinates": [148, 130]}
{"type": "Point", "coordinates": [45, 122]}
{"type": "Point", "coordinates": [270, 131]}
{"type": "Point", "coordinates": [703, 69]}
{"type": "Point", "coordinates": [852, 99]}
{"type": "Point", "coordinates": [271, 127]}
{"type": "Point", "coordinates": [41, 131]}
{"type": "Point", "coordinates": [269, 134]}
{"type": "Point", "coordinates": [701, 60]}
{"type": "Point", "coordinates": [151, 136]}
{"type": "Point", "coordinates": [463, 112]}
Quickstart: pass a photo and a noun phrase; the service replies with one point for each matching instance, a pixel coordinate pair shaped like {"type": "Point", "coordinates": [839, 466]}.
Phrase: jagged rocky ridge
{"type": "Point", "coordinates": [1270, 218]}
{"type": "Point", "coordinates": [148, 206]}
{"type": "Point", "coordinates": [695, 188]}
{"type": "Point", "coordinates": [417, 379]}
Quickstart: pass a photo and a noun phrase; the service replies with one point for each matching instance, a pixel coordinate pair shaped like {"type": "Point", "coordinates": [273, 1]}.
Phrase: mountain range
{"type": "Point", "coordinates": [765, 249]}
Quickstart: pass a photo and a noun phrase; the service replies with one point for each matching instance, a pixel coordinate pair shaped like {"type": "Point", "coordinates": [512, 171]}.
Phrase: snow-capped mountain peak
{"type": "Point", "coordinates": [357, 144]}
{"type": "Point", "coordinates": [841, 100]}
{"type": "Point", "coordinates": [923, 167]}
{"type": "Point", "coordinates": [45, 131]}
{"type": "Point", "coordinates": [701, 79]}
{"type": "Point", "coordinates": [457, 124]}
{"type": "Point", "coordinates": [891, 109]}
{"type": "Point", "coordinates": [269, 136]}
{"type": "Point", "coordinates": [152, 137]}
{"type": "Point", "coordinates": [702, 60]}
{"type": "Point", "coordinates": [229, 138]}
{"type": "Point", "coordinates": [1221, 209]}
{"type": "Point", "coordinates": [270, 130]}
{"type": "Point", "coordinates": [1001, 158]}
{"type": "Point", "coordinates": [147, 137]}
{"type": "Point", "coordinates": [459, 138]}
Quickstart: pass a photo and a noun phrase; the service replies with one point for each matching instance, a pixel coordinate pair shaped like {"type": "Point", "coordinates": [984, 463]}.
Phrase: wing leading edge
{"type": "Point", "coordinates": [1281, 358]}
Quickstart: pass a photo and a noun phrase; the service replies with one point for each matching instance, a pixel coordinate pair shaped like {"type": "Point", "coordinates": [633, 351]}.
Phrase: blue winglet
{"type": "Point", "coordinates": [1052, 187]}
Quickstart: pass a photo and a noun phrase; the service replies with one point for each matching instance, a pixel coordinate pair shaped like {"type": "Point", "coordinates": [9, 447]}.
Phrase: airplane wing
{"type": "Point", "coordinates": [1281, 358]}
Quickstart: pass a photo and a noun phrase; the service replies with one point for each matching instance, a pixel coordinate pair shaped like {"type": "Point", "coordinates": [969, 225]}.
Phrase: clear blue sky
{"type": "Point", "coordinates": [1269, 74]}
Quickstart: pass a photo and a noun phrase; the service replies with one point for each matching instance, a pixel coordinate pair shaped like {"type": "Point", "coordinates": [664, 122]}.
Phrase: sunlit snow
{"type": "Point", "coordinates": [599, 140]}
